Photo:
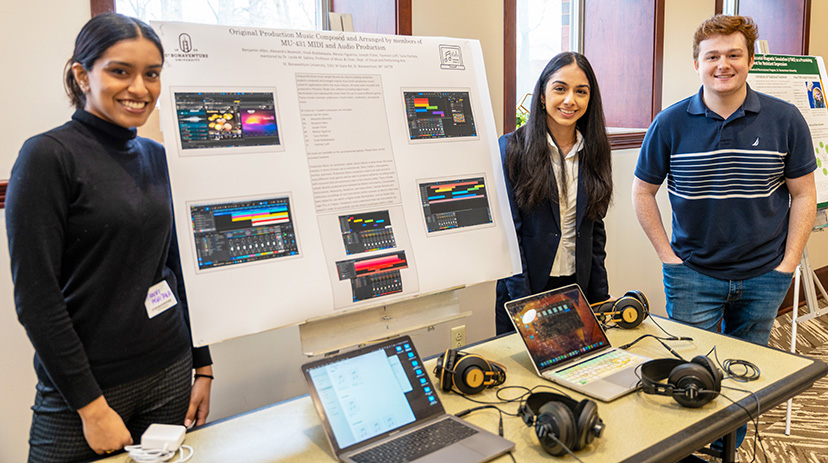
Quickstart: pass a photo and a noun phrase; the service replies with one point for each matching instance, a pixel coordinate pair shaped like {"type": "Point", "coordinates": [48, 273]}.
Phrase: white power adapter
{"type": "Point", "coordinates": [163, 436]}
{"type": "Point", "coordinates": [159, 443]}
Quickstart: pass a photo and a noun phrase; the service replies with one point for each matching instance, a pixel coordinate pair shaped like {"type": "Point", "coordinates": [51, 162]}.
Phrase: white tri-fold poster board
{"type": "Point", "coordinates": [318, 172]}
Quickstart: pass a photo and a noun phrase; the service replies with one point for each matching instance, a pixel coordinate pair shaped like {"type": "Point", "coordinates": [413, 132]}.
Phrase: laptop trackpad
{"type": "Point", "coordinates": [457, 453]}
{"type": "Point", "coordinates": [625, 378]}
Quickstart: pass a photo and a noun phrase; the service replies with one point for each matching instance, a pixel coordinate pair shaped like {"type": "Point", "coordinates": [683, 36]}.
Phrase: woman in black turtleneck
{"type": "Point", "coordinates": [91, 235]}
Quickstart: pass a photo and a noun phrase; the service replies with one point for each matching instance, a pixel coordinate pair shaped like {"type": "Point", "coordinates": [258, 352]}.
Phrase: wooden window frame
{"type": "Point", "coordinates": [653, 59]}
{"type": "Point", "coordinates": [653, 55]}
{"type": "Point", "coordinates": [403, 12]}
{"type": "Point", "coordinates": [622, 140]}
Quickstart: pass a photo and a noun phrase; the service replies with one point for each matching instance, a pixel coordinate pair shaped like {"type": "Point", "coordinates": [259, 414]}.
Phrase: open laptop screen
{"type": "Point", "coordinates": [557, 325]}
{"type": "Point", "coordinates": [371, 391]}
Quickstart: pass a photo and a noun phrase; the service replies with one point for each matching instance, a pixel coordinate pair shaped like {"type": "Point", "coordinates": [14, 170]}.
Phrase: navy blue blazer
{"type": "Point", "coordinates": [538, 234]}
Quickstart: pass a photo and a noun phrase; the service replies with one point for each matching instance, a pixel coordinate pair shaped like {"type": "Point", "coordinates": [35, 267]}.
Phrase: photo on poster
{"type": "Point", "coordinates": [369, 231]}
{"type": "Point", "coordinates": [454, 204]}
{"type": "Point", "coordinates": [230, 232]}
{"type": "Point", "coordinates": [226, 120]}
{"type": "Point", "coordinates": [439, 115]}
{"type": "Point", "coordinates": [373, 276]}
{"type": "Point", "coordinates": [356, 252]}
{"type": "Point", "coordinates": [816, 96]}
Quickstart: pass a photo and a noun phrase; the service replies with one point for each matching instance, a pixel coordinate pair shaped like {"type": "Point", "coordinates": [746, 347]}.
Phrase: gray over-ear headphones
{"type": "Point", "coordinates": [561, 421]}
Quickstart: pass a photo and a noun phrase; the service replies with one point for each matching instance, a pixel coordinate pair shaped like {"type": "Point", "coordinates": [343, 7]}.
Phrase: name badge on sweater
{"type": "Point", "coordinates": [159, 298]}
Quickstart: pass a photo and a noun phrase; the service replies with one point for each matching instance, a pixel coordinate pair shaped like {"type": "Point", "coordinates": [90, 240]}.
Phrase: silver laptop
{"type": "Point", "coordinates": [568, 346]}
{"type": "Point", "coordinates": [377, 403]}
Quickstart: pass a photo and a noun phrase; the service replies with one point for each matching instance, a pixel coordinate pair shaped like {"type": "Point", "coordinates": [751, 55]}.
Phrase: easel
{"type": "Point", "coordinates": [805, 273]}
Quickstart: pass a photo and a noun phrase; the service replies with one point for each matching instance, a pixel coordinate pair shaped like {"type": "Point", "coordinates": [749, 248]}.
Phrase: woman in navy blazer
{"type": "Point", "coordinates": [559, 179]}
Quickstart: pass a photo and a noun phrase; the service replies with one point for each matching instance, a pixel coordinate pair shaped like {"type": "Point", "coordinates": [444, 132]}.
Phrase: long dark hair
{"type": "Point", "coordinates": [95, 38]}
{"type": "Point", "coordinates": [527, 155]}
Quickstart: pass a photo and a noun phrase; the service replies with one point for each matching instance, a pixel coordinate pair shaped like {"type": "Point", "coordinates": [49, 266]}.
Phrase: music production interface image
{"type": "Point", "coordinates": [435, 115]}
{"type": "Point", "coordinates": [228, 233]}
{"type": "Point", "coordinates": [226, 119]}
{"type": "Point", "coordinates": [552, 324]}
{"type": "Point", "coordinates": [373, 276]}
{"type": "Point", "coordinates": [452, 204]}
{"type": "Point", "coordinates": [365, 232]}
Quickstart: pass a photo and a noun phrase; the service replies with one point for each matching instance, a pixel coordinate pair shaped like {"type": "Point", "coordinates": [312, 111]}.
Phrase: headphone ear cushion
{"type": "Point", "coordinates": [630, 312]}
{"type": "Point", "coordinates": [586, 415]}
{"type": "Point", "coordinates": [446, 373]}
{"type": "Point", "coordinates": [715, 373]}
{"type": "Point", "coordinates": [641, 298]}
{"type": "Point", "coordinates": [690, 378]}
{"type": "Point", "coordinates": [555, 419]}
{"type": "Point", "coordinates": [470, 373]}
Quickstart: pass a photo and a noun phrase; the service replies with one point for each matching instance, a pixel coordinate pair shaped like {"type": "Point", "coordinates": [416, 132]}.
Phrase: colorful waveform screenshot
{"type": "Point", "coordinates": [434, 115]}
{"type": "Point", "coordinates": [365, 232]}
{"type": "Point", "coordinates": [226, 119]}
{"type": "Point", "coordinates": [455, 204]}
{"type": "Point", "coordinates": [373, 276]}
{"type": "Point", "coordinates": [228, 233]}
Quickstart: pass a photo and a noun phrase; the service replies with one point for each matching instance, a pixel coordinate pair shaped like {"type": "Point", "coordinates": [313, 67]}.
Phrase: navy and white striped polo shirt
{"type": "Point", "coordinates": [726, 180]}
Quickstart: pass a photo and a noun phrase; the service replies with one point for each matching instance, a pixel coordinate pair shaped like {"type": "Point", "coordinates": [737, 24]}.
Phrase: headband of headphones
{"type": "Point", "coordinates": [469, 373]}
{"type": "Point", "coordinates": [627, 311]}
{"type": "Point", "coordinates": [530, 409]}
{"type": "Point", "coordinates": [560, 422]}
{"type": "Point", "coordinates": [692, 384]}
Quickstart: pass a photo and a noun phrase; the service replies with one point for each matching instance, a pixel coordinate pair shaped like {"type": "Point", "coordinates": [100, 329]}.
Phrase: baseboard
{"type": "Point", "coordinates": [787, 304]}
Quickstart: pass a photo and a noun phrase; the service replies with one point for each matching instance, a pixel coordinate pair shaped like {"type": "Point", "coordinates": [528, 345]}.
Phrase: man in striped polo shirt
{"type": "Point", "coordinates": [739, 168]}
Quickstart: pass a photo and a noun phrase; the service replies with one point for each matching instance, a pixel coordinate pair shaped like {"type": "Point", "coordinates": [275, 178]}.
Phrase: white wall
{"type": "Point", "coordinates": [680, 21]}
{"type": "Point", "coordinates": [38, 38]}
{"type": "Point", "coordinates": [468, 19]}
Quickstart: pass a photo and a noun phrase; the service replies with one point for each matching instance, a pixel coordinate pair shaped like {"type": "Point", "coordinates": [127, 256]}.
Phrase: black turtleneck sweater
{"type": "Point", "coordinates": [90, 228]}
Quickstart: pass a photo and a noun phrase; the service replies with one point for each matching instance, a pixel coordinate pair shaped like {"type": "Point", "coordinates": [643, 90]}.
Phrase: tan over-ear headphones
{"type": "Point", "coordinates": [627, 311]}
{"type": "Point", "coordinates": [469, 373]}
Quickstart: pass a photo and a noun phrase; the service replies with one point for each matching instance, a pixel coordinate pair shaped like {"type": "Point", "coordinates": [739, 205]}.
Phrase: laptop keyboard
{"type": "Point", "coordinates": [600, 367]}
{"type": "Point", "coordinates": [419, 443]}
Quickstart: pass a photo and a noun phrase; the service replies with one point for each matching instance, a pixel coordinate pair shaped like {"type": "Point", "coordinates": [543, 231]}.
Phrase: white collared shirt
{"type": "Point", "coordinates": [564, 263]}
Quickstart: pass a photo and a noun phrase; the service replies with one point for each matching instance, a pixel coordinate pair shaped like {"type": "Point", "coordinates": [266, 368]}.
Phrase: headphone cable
{"type": "Point", "coordinates": [499, 423]}
{"type": "Point", "coordinates": [563, 446]}
{"type": "Point", "coordinates": [500, 412]}
{"type": "Point", "coordinates": [751, 371]}
{"type": "Point", "coordinates": [672, 336]}
{"type": "Point", "coordinates": [660, 340]}
{"type": "Point", "coordinates": [755, 421]}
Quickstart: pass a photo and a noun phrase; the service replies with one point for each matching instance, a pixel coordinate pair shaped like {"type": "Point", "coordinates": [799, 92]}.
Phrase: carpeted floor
{"type": "Point", "coordinates": [808, 442]}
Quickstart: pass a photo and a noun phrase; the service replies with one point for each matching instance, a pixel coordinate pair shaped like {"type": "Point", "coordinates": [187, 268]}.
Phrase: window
{"type": "Point", "coordinates": [277, 14]}
{"type": "Point", "coordinates": [543, 31]}
{"type": "Point", "coordinates": [785, 24]}
{"type": "Point", "coordinates": [376, 16]}
{"type": "Point", "coordinates": [606, 26]}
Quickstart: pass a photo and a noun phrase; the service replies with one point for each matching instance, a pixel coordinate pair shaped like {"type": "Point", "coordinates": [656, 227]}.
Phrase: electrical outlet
{"type": "Point", "coordinates": [458, 337]}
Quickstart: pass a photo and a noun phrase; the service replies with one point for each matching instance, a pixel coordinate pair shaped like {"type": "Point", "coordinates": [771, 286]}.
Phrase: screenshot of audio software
{"type": "Point", "coordinates": [235, 232]}
{"type": "Point", "coordinates": [435, 115]}
{"type": "Point", "coordinates": [453, 204]}
{"type": "Point", "coordinates": [373, 276]}
{"type": "Point", "coordinates": [370, 231]}
{"type": "Point", "coordinates": [226, 119]}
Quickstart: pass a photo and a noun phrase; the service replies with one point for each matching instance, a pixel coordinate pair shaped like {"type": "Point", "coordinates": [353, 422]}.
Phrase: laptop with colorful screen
{"type": "Point", "coordinates": [568, 346]}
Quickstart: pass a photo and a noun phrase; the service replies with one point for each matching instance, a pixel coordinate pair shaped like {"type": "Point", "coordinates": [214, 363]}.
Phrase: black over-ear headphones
{"type": "Point", "coordinates": [692, 383]}
{"type": "Point", "coordinates": [561, 421]}
{"type": "Point", "coordinates": [469, 373]}
{"type": "Point", "coordinates": [627, 311]}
